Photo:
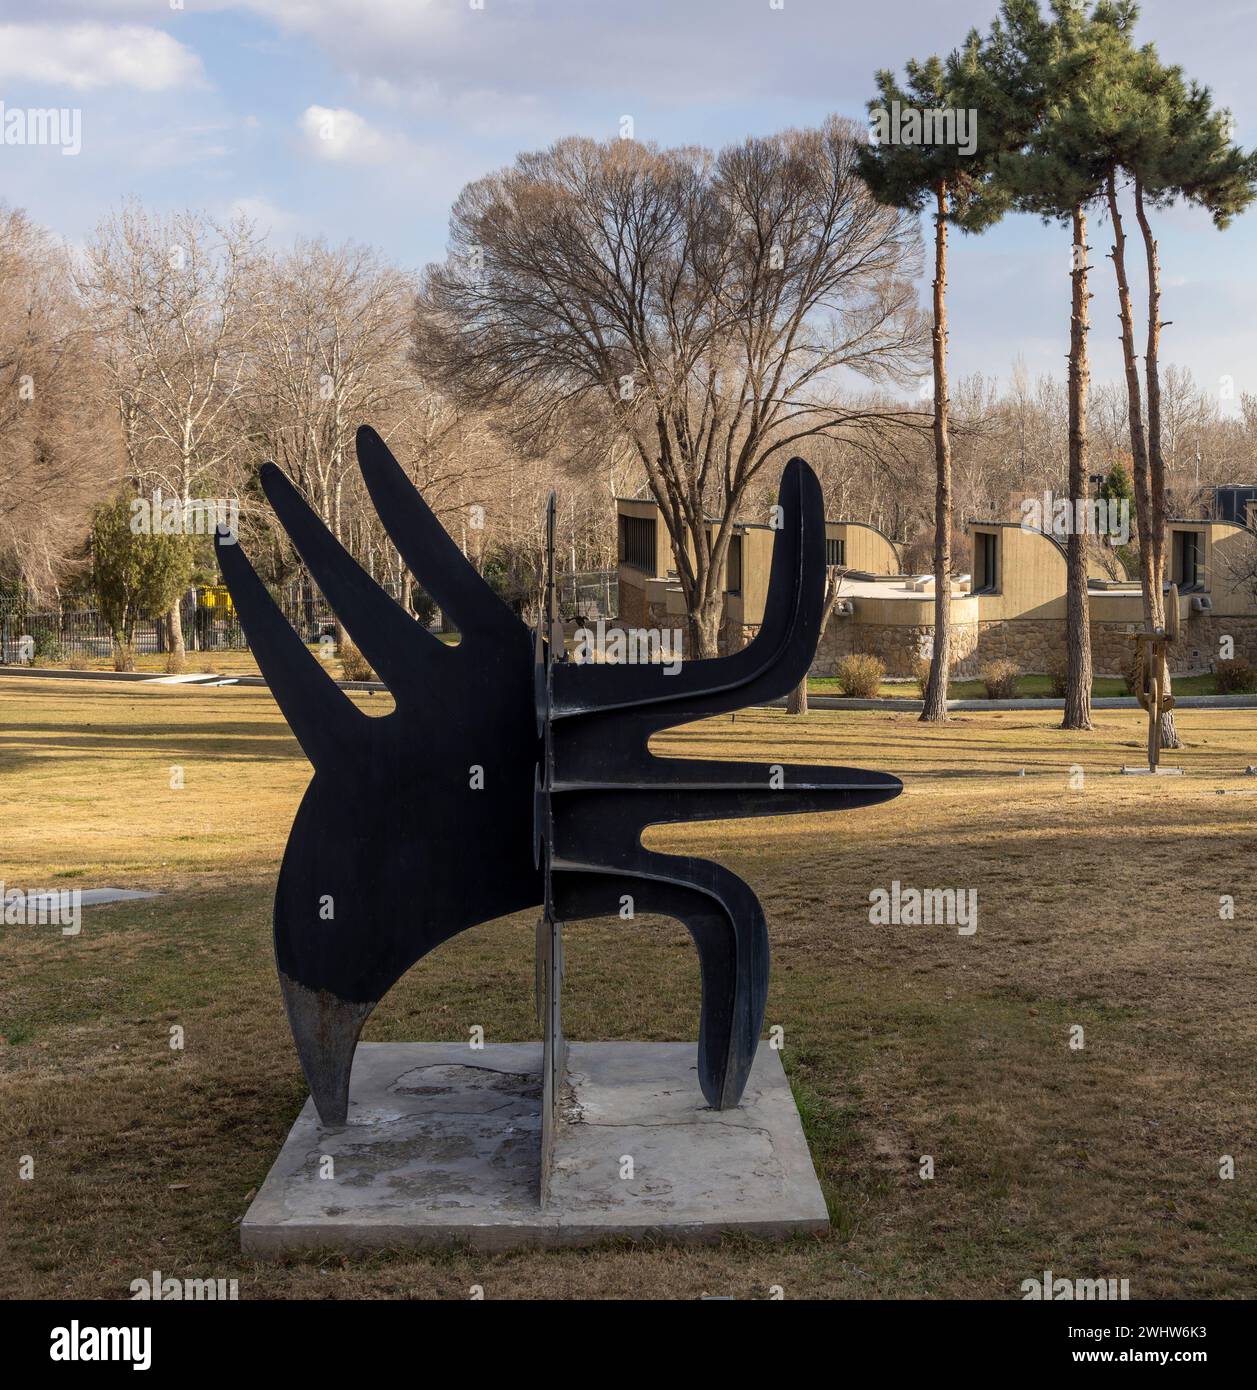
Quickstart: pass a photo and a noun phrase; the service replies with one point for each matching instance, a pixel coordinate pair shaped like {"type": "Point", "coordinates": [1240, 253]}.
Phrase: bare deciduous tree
{"type": "Point", "coordinates": [169, 302]}
{"type": "Point", "coordinates": [58, 450]}
{"type": "Point", "coordinates": [712, 303]}
{"type": "Point", "coordinates": [329, 351]}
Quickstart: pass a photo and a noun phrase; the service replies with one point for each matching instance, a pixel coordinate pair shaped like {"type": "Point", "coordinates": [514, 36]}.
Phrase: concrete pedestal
{"type": "Point", "coordinates": [443, 1147]}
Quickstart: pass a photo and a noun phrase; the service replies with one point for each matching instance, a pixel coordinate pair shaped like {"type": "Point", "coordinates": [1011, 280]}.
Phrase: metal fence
{"type": "Point", "coordinates": [37, 635]}
{"type": "Point", "coordinates": [589, 594]}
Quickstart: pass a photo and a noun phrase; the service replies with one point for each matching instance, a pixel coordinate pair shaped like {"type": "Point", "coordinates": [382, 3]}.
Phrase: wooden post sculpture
{"type": "Point", "coordinates": [508, 778]}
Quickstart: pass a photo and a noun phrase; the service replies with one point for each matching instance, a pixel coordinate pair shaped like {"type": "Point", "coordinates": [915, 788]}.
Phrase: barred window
{"type": "Point", "coordinates": [637, 543]}
{"type": "Point", "coordinates": [733, 566]}
{"type": "Point", "coordinates": [835, 551]}
{"type": "Point", "coordinates": [1189, 560]}
{"type": "Point", "coordinates": [985, 562]}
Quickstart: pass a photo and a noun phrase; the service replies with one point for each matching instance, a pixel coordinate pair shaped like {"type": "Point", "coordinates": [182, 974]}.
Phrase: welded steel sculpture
{"type": "Point", "coordinates": [508, 777]}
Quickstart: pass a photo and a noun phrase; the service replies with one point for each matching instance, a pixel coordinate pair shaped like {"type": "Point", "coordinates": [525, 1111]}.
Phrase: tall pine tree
{"type": "Point", "coordinates": [1169, 143]}
{"type": "Point", "coordinates": [914, 173]}
{"type": "Point", "coordinates": [1060, 174]}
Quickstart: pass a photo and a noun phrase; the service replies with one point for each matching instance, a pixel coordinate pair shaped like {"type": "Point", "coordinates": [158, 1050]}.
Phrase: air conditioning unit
{"type": "Point", "coordinates": [1201, 603]}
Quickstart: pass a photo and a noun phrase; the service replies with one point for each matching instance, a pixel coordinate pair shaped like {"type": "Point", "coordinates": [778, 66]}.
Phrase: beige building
{"type": "Point", "coordinates": [650, 593]}
{"type": "Point", "coordinates": [1012, 604]}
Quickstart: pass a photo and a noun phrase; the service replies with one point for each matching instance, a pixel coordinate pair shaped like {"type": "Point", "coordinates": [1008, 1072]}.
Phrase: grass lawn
{"type": "Point", "coordinates": [223, 661]}
{"type": "Point", "coordinates": [1098, 906]}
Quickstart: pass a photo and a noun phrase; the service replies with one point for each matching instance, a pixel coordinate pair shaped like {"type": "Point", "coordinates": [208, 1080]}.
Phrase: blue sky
{"type": "Point", "coordinates": [222, 104]}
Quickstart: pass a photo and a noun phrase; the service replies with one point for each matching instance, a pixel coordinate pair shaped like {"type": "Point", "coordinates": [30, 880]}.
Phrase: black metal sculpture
{"type": "Point", "coordinates": [508, 777]}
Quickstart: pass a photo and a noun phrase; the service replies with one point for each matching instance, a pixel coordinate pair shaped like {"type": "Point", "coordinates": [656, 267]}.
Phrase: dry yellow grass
{"type": "Point", "coordinates": [225, 661]}
{"type": "Point", "coordinates": [1098, 906]}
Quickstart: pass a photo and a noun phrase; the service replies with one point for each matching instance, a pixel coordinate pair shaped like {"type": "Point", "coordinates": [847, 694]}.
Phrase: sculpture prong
{"type": "Point", "coordinates": [427, 548]}
{"type": "Point", "coordinates": [726, 922]}
{"type": "Point", "coordinates": [325, 1030]}
{"type": "Point", "coordinates": [391, 640]}
{"type": "Point", "coordinates": [770, 665]}
{"type": "Point", "coordinates": [322, 717]}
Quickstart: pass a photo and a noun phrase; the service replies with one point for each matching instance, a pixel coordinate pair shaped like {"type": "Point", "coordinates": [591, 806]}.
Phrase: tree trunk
{"type": "Point", "coordinates": [124, 648]}
{"type": "Point", "coordinates": [797, 703]}
{"type": "Point", "coordinates": [1156, 460]}
{"type": "Point", "coordinates": [704, 625]}
{"type": "Point", "coordinates": [1077, 615]}
{"type": "Point", "coordinates": [174, 630]}
{"type": "Point", "coordinates": [935, 705]}
{"type": "Point", "coordinates": [1149, 577]}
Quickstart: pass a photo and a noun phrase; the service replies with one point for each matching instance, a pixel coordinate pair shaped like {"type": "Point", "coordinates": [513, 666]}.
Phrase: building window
{"type": "Point", "coordinates": [1189, 568]}
{"type": "Point", "coordinates": [835, 551]}
{"type": "Point", "coordinates": [733, 567]}
{"type": "Point", "coordinates": [985, 562]}
{"type": "Point", "coordinates": [637, 543]}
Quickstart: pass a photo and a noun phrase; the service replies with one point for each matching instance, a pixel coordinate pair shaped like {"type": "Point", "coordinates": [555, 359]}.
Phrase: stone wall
{"type": "Point", "coordinates": [897, 644]}
{"type": "Point", "coordinates": [736, 635]}
{"type": "Point", "coordinates": [632, 605]}
{"type": "Point", "coordinates": [1036, 645]}
{"type": "Point", "coordinates": [1198, 649]}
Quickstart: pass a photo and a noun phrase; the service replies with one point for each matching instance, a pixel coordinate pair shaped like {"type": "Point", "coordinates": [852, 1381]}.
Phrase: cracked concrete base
{"type": "Point", "coordinates": [443, 1147]}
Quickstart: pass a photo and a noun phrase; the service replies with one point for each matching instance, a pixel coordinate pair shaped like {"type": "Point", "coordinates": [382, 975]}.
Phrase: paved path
{"type": "Point", "coordinates": [817, 702]}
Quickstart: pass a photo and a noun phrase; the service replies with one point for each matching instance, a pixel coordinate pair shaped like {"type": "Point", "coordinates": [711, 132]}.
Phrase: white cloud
{"type": "Point", "coordinates": [344, 137]}
{"type": "Point", "coordinates": [426, 53]}
{"type": "Point", "coordinates": [83, 56]}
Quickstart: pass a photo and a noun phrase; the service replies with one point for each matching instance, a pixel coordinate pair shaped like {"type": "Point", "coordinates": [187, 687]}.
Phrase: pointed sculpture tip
{"type": "Point", "coordinates": [325, 1029]}
{"type": "Point", "coordinates": [272, 477]}
{"type": "Point", "coordinates": [799, 468]}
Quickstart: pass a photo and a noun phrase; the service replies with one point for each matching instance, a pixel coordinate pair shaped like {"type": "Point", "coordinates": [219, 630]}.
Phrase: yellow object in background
{"type": "Point", "coordinates": [214, 596]}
